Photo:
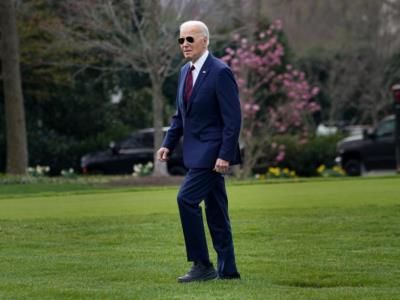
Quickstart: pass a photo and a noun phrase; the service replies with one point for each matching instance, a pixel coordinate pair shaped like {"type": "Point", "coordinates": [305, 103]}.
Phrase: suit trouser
{"type": "Point", "coordinates": [209, 185]}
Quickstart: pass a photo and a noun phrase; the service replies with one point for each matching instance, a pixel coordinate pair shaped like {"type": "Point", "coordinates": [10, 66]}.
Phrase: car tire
{"type": "Point", "coordinates": [353, 167]}
{"type": "Point", "coordinates": [177, 171]}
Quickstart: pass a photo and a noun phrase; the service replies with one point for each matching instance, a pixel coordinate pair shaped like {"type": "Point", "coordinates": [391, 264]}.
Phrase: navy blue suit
{"type": "Point", "coordinates": [210, 125]}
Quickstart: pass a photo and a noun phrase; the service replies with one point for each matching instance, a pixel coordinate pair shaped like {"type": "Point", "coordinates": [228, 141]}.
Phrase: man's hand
{"type": "Point", "coordinates": [221, 166]}
{"type": "Point", "coordinates": [162, 154]}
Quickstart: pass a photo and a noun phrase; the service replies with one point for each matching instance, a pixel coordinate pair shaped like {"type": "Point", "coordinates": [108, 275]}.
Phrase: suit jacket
{"type": "Point", "coordinates": [210, 123]}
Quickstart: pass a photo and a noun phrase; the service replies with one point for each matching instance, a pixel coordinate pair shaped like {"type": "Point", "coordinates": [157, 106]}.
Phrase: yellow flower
{"type": "Point", "coordinates": [321, 169]}
{"type": "Point", "coordinates": [274, 171]}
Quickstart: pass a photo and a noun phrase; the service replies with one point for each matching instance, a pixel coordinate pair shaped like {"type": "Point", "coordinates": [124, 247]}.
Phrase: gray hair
{"type": "Point", "coordinates": [203, 27]}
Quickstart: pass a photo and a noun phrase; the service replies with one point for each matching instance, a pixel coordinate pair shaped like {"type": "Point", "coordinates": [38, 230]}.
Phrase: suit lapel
{"type": "Point", "coordinates": [205, 70]}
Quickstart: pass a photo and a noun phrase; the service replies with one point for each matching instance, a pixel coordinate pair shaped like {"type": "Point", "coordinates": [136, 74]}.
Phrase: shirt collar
{"type": "Point", "coordinates": [200, 62]}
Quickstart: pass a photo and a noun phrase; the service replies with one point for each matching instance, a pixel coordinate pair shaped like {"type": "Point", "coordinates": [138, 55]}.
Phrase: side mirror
{"type": "Point", "coordinates": [114, 148]}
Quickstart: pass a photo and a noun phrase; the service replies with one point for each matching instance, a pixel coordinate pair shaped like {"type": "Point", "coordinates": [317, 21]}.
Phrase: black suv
{"type": "Point", "coordinates": [373, 150]}
{"type": "Point", "coordinates": [122, 156]}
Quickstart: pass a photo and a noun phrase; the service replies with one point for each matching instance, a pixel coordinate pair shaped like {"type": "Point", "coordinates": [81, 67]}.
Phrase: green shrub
{"type": "Point", "coordinates": [307, 157]}
{"type": "Point", "coordinates": [61, 152]}
{"type": "Point", "coordinates": [303, 158]}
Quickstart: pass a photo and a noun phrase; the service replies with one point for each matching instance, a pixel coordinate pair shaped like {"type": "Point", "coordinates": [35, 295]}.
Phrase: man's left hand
{"type": "Point", "coordinates": [221, 166]}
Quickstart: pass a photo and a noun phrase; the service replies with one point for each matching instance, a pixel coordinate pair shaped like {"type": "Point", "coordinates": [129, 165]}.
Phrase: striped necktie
{"type": "Point", "coordinates": [188, 85]}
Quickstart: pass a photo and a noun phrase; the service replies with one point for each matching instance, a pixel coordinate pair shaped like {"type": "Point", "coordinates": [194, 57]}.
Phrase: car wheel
{"type": "Point", "coordinates": [177, 171]}
{"type": "Point", "coordinates": [353, 167]}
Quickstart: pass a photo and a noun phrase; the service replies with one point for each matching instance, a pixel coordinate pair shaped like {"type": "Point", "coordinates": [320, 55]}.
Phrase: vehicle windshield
{"type": "Point", "coordinates": [385, 129]}
{"type": "Point", "coordinates": [129, 143]}
{"type": "Point", "coordinates": [139, 140]}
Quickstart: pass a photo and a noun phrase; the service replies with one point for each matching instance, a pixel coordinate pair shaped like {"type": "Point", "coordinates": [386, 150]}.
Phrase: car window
{"type": "Point", "coordinates": [148, 140]}
{"type": "Point", "coordinates": [139, 140]}
{"type": "Point", "coordinates": [131, 142]}
{"type": "Point", "coordinates": [385, 129]}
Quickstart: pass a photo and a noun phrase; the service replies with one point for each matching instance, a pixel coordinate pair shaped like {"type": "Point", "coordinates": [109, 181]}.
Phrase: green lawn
{"type": "Point", "coordinates": [312, 240]}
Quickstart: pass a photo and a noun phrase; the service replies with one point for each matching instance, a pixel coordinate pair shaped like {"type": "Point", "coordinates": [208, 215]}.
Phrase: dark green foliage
{"type": "Point", "coordinates": [317, 72]}
{"type": "Point", "coordinates": [68, 93]}
{"type": "Point", "coordinates": [69, 112]}
{"type": "Point", "coordinates": [2, 151]}
{"type": "Point", "coordinates": [2, 133]}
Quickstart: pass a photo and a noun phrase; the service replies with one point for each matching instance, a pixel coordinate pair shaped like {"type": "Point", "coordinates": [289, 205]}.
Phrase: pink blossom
{"type": "Point", "coordinates": [257, 66]}
{"type": "Point", "coordinates": [315, 91]}
{"type": "Point", "coordinates": [280, 157]}
{"type": "Point", "coordinates": [241, 81]}
{"type": "Point", "coordinates": [282, 129]}
{"type": "Point", "coordinates": [229, 51]}
{"type": "Point", "coordinates": [226, 58]}
{"type": "Point", "coordinates": [313, 107]}
{"type": "Point", "coordinates": [278, 24]}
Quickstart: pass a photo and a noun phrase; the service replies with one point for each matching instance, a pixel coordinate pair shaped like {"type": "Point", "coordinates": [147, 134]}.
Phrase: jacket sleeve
{"type": "Point", "coordinates": [176, 127]}
{"type": "Point", "coordinates": [228, 100]}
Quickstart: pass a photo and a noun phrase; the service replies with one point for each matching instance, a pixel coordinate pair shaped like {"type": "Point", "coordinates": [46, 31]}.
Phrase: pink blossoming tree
{"type": "Point", "coordinates": [275, 97]}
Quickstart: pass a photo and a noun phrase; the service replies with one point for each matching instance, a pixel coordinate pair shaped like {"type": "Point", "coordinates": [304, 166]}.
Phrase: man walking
{"type": "Point", "coordinates": [208, 117]}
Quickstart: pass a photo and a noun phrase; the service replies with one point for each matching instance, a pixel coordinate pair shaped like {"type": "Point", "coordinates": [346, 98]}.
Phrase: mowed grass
{"type": "Point", "coordinates": [313, 240]}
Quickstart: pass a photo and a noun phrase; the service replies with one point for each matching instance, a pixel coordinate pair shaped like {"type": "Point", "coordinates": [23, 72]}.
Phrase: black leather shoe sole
{"type": "Point", "coordinates": [210, 275]}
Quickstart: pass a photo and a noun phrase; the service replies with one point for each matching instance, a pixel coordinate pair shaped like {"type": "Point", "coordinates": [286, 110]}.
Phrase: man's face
{"type": "Point", "coordinates": [192, 50]}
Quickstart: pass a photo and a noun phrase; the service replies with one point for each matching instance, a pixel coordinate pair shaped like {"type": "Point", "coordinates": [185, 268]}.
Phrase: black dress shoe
{"type": "Point", "coordinates": [199, 272]}
{"type": "Point", "coordinates": [230, 276]}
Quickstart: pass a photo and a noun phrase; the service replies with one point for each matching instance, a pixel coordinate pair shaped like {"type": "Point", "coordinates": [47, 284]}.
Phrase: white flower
{"type": "Point", "coordinates": [137, 168]}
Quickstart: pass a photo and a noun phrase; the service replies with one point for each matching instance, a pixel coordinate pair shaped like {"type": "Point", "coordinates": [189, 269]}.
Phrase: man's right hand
{"type": "Point", "coordinates": [162, 154]}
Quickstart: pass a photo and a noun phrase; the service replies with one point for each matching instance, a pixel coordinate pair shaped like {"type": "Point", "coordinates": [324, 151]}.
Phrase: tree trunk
{"type": "Point", "coordinates": [247, 162]}
{"type": "Point", "coordinates": [17, 152]}
{"type": "Point", "coordinates": [160, 168]}
{"type": "Point", "coordinates": [153, 10]}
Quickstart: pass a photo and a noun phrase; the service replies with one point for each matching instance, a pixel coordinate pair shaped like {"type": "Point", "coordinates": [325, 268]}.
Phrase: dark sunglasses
{"type": "Point", "coordinates": [189, 39]}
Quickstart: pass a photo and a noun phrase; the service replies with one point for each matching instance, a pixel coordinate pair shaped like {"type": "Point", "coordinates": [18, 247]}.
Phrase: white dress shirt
{"type": "Point", "coordinates": [198, 65]}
